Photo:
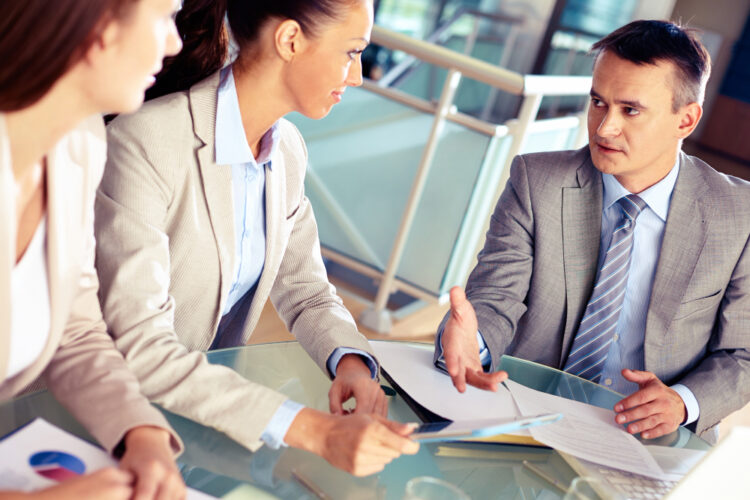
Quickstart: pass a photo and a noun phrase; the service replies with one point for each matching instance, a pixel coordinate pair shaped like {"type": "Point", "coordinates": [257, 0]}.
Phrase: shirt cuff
{"type": "Point", "coordinates": [273, 434]}
{"type": "Point", "coordinates": [484, 352]}
{"type": "Point", "coordinates": [691, 404]}
{"type": "Point", "coordinates": [340, 352]}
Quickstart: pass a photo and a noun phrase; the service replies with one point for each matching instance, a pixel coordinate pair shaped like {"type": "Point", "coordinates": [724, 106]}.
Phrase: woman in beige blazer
{"type": "Point", "coordinates": [57, 73]}
{"type": "Point", "coordinates": [176, 237]}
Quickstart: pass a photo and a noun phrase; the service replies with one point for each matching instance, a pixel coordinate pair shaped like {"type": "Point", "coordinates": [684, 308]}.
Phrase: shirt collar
{"type": "Point", "coordinates": [657, 197]}
{"type": "Point", "coordinates": [231, 142]}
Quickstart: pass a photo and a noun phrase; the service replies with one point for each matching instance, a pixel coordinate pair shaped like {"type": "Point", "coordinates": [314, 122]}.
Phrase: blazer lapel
{"type": "Point", "coordinates": [275, 192]}
{"type": "Point", "coordinates": [57, 233]}
{"type": "Point", "coordinates": [684, 236]}
{"type": "Point", "coordinates": [217, 181]}
{"type": "Point", "coordinates": [7, 245]}
{"type": "Point", "coordinates": [581, 220]}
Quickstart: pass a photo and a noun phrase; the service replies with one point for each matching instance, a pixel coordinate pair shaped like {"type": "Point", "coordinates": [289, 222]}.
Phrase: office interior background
{"type": "Point", "coordinates": [405, 171]}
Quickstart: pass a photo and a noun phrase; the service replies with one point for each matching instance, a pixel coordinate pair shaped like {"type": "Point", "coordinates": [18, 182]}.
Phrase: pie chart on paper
{"type": "Point", "coordinates": [57, 465]}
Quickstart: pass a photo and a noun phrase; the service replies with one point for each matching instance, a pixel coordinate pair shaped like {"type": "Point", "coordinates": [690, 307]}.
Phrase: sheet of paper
{"type": "Point", "coordinates": [412, 369]}
{"type": "Point", "coordinates": [40, 455]}
{"type": "Point", "coordinates": [586, 431]}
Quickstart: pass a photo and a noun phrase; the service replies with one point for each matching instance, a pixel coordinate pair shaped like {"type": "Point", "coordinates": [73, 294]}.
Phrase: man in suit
{"type": "Point", "coordinates": [625, 262]}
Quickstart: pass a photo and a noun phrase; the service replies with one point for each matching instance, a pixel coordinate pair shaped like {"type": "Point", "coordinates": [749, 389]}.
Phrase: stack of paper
{"type": "Point", "coordinates": [586, 431]}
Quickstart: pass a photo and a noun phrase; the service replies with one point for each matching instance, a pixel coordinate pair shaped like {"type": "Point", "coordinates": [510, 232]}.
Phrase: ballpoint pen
{"type": "Point", "coordinates": [310, 485]}
{"type": "Point", "coordinates": [539, 472]}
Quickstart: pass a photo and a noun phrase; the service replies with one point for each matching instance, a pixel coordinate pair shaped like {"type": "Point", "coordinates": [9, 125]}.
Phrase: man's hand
{"type": "Point", "coordinates": [150, 459]}
{"type": "Point", "coordinates": [654, 409]}
{"type": "Point", "coordinates": [460, 348]}
{"type": "Point", "coordinates": [353, 378]}
{"type": "Point", "coordinates": [359, 444]}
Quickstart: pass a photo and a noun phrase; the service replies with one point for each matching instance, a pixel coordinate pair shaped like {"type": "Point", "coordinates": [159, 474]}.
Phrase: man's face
{"type": "Point", "coordinates": [633, 132]}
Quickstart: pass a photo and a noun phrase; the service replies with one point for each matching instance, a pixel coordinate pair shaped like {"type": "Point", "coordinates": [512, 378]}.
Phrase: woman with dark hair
{"type": "Point", "coordinates": [201, 218]}
{"type": "Point", "coordinates": [59, 71]}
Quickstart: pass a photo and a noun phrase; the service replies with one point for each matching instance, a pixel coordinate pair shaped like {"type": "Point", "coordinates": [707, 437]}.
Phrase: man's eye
{"type": "Point", "coordinates": [631, 111]}
{"type": "Point", "coordinates": [597, 103]}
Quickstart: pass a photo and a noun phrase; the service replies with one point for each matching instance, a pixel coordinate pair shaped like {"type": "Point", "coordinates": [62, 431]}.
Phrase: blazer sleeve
{"type": "Point", "coordinates": [133, 260]}
{"type": "Point", "coordinates": [87, 374]}
{"type": "Point", "coordinates": [302, 295]}
{"type": "Point", "coordinates": [498, 284]}
{"type": "Point", "coordinates": [721, 381]}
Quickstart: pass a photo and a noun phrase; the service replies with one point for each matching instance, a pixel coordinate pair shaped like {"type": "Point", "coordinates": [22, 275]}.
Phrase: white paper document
{"type": "Point", "coordinates": [40, 455]}
{"type": "Point", "coordinates": [412, 369]}
{"type": "Point", "coordinates": [586, 432]}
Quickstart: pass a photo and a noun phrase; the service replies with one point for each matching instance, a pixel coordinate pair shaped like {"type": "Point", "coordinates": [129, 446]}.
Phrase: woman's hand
{"type": "Point", "coordinates": [353, 379]}
{"type": "Point", "coordinates": [150, 459]}
{"type": "Point", "coordinates": [359, 444]}
{"type": "Point", "coordinates": [104, 484]}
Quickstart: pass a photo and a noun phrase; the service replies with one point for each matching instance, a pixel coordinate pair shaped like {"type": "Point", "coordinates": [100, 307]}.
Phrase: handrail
{"type": "Point", "coordinates": [504, 79]}
{"type": "Point", "coordinates": [437, 37]}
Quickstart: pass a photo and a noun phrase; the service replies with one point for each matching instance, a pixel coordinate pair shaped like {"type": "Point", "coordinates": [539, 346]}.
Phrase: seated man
{"type": "Point", "coordinates": [624, 262]}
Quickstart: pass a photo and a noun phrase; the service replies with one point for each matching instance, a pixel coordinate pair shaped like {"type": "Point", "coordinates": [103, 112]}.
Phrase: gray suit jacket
{"type": "Point", "coordinates": [537, 269]}
{"type": "Point", "coordinates": [165, 227]}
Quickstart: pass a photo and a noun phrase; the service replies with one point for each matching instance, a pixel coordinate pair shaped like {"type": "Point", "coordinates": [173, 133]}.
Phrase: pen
{"type": "Point", "coordinates": [310, 485]}
{"type": "Point", "coordinates": [539, 472]}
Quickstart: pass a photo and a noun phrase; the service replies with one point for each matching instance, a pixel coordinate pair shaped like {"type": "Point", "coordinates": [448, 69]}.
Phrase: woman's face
{"type": "Point", "coordinates": [131, 52]}
{"type": "Point", "coordinates": [330, 62]}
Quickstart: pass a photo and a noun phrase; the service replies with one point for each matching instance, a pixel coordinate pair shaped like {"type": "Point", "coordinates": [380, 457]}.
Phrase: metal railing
{"type": "Point", "coordinates": [531, 87]}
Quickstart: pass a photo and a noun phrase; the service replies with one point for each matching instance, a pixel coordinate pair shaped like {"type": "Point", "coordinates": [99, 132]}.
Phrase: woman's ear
{"type": "Point", "coordinates": [104, 43]}
{"type": "Point", "coordinates": [289, 39]}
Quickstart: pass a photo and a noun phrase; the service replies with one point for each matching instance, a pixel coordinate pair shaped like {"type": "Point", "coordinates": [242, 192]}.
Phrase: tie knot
{"type": "Point", "coordinates": [632, 205]}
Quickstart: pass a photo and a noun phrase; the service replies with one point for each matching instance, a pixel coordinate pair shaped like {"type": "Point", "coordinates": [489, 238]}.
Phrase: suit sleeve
{"type": "Point", "coordinates": [134, 267]}
{"type": "Point", "coordinates": [721, 381]}
{"type": "Point", "coordinates": [498, 284]}
{"type": "Point", "coordinates": [87, 374]}
{"type": "Point", "coordinates": [302, 294]}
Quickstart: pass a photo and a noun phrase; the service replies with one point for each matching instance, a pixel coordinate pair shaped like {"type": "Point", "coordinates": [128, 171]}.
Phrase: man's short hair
{"type": "Point", "coordinates": [650, 42]}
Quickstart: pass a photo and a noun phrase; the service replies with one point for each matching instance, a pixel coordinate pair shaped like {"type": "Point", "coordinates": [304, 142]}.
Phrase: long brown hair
{"type": "Point", "coordinates": [41, 40]}
{"type": "Point", "coordinates": [205, 40]}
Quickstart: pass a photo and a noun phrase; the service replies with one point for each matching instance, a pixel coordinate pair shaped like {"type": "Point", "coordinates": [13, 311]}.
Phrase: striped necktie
{"type": "Point", "coordinates": [597, 329]}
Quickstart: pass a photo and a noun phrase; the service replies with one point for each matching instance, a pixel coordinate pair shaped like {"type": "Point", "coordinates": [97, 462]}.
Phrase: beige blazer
{"type": "Point", "coordinates": [80, 364]}
{"type": "Point", "coordinates": [165, 225]}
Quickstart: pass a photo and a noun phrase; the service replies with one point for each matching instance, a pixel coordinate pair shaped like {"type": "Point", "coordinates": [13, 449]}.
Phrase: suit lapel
{"type": "Point", "coordinates": [684, 236]}
{"type": "Point", "coordinates": [581, 225]}
{"type": "Point", "coordinates": [217, 181]}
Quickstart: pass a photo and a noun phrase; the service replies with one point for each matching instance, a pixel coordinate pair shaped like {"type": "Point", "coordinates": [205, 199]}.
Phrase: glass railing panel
{"type": "Point", "coordinates": [551, 140]}
{"type": "Point", "coordinates": [363, 158]}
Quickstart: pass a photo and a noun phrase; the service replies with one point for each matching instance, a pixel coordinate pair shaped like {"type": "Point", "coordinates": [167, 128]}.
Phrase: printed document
{"type": "Point", "coordinates": [586, 432]}
{"type": "Point", "coordinates": [40, 455]}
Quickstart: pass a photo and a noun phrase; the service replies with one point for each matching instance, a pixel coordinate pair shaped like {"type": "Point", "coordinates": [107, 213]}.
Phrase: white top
{"type": "Point", "coordinates": [30, 317]}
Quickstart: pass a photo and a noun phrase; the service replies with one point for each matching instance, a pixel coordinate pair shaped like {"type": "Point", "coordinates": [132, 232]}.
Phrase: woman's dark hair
{"type": "Point", "coordinates": [41, 40]}
{"type": "Point", "coordinates": [650, 42]}
{"type": "Point", "coordinates": [205, 40]}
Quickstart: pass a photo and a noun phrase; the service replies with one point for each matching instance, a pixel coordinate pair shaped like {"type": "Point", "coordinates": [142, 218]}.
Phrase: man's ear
{"type": "Point", "coordinates": [690, 115]}
{"type": "Point", "coordinates": [289, 39]}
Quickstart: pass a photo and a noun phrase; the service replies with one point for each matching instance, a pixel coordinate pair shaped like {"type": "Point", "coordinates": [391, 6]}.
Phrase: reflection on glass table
{"type": "Point", "coordinates": [217, 465]}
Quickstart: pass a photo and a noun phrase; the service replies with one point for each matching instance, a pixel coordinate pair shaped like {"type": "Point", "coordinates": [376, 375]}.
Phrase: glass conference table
{"type": "Point", "coordinates": [217, 465]}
